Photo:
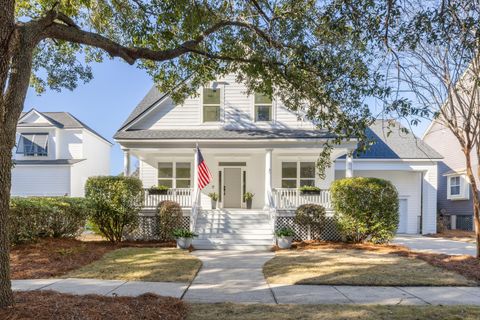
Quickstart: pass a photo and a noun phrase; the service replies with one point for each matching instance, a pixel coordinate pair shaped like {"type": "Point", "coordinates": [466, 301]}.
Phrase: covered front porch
{"type": "Point", "coordinates": [273, 175]}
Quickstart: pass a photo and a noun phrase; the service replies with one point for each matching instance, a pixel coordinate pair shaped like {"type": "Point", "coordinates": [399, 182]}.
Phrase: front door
{"type": "Point", "coordinates": [402, 215]}
{"type": "Point", "coordinates": [232, 188]}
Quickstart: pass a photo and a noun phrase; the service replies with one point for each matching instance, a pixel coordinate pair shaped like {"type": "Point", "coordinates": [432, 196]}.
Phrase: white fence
{"type": "Point", "coordinates": [291, 198]}
{"type": "Point", "coordinates": [182, 196]}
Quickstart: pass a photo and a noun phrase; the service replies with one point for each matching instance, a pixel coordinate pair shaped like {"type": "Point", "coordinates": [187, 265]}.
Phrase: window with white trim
{"type": "Point", "coordinates": [174, 174]}
{"type": "Point", "coordinates": [263, 107]}
{"type": "Point", "coordinates": [33, 144]}
{"type": "Point", "coordinates": [211, 105]}
{"type": "Point", "coordinates": [298, 174]}
{"type": "Point", "coordinates": [457, 188]}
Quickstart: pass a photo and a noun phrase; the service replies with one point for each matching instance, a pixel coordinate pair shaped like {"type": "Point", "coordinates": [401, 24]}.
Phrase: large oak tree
{"type": "Point", "coordinates": [316, 55]}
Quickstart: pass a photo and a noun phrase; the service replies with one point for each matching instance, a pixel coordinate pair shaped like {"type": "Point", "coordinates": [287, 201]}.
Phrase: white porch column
{"type": "Point", "coordinates": [126, 162]}
{"type": "Point", "coordinates": [349, 165]}
{"type": "Point", "coordinates": [268, 180]}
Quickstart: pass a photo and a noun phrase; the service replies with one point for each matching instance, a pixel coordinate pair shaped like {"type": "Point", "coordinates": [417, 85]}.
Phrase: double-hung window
{"type": "Point", "coordinates": [174, 174]}
{"type": "Point", "coordinates": [263, 107]}
{"type": "Point", "coordinates": [298, 174]}
{"type": "Point", "coordinates": [211, 105]}
{"type": "Point", "coordinates": [457, 187]}
{"type": "Point", "coordinates": [33, 144]}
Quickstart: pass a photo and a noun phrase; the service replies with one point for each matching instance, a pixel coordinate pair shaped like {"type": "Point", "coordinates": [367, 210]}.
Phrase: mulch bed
{"type": "Point", "coordinates": [459, 235]}
{"type": "Point", "coordinates": [55, 257]}
{"type": "Point", "coordinates": [466, 265]}
{"type": "Point", "coordinates": [46, 305]}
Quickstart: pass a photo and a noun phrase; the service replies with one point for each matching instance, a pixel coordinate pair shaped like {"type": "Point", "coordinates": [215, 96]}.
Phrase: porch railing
{"type": "Point", "coordinates": [291, 198]}
{"type": "Point", "coordinates": [182, 196]}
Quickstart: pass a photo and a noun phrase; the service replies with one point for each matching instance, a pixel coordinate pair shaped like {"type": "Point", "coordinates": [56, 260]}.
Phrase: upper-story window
{"type": "Point", "coordinates": [457, 188]}
{"type": "Point", "coordinates": [298, 174]}
{"type": "Point", "coordinates": [211, 105]}
{"type": "Point", "coordinates": [33, 144]}
{"type": "Point", "coordinates": [174, 174]}
{"type": "Point", "coordinates": [263, 107]}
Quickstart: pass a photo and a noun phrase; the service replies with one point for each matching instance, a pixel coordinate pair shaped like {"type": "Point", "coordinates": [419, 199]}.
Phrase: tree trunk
{"type": "Point", "coordinates": [476, 200]}
{"type": "Point", "coordinates": [6, 297]}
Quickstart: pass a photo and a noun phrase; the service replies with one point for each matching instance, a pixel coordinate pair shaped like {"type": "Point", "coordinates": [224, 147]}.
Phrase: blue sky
{"type": "Point", "coordinates": [105, 102]}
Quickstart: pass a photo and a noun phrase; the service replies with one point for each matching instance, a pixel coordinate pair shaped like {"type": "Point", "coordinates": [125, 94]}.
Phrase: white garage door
{"type": "Point", "coordinates": [402, 211]}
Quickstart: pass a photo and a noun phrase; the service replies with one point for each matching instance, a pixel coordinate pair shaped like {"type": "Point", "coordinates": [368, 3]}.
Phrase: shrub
{"type": "Point", "coordinates": [365, 209]}
{"type": "Point", "coordinates": [312, 215]}
{"type": "Point", "coordinates": [115, 203]}
{"type": "Point", "coordinates": [169, 215]}
{"type": "Point", "coordinates": [34, 217]}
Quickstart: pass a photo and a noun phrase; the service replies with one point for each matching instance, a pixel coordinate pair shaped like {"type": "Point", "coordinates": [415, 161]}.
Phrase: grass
{"type": "Point", "coordinates": [142, 264]}
{"type": "Point", "coordinates": [329, 312]}
{"type": "Point", "coordinates": [338, 266]}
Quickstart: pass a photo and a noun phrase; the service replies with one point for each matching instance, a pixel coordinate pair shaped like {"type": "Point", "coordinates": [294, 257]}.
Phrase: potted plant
{"type": "Point", "coordinates": [158, 190]}
{"type": "Point", "coordinates": [284, 238]}
{"type": "Point", "coordinates": [310, 190]}
{"type": "Point", "coordinates": [247, 197]}
{"type": "Point", "coordinates": [214, 197]}
{"type": "Point", "coordinates": [184, 238]}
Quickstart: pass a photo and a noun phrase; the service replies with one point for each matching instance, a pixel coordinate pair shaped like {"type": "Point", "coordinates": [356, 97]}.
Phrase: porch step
{"type": "Point", "coordinates": [233, 229]}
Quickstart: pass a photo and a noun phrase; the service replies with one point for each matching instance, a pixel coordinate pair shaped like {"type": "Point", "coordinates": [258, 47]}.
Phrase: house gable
{"type": "Point", "coordinates": [237, 111]}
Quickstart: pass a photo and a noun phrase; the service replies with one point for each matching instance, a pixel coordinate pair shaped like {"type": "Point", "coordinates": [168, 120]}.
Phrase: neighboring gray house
{"type": "Point", "coordinates": [454, 197]}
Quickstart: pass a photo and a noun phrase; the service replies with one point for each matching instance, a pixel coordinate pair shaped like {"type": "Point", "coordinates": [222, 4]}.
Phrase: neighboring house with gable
{"type": "Point", "coordinates": [454, 190]}
{"type": "Point", "coordinates": [254, 144]}
{"type": "Point", "coordinates": [55, 154]}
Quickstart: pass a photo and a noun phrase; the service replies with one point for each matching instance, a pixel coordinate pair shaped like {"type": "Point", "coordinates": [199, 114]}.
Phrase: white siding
{"type": "Point", "coordinates": [71, 144]}
{"type": "Point", "coordinates": [148, 174]}
{"type": "Point", "coordinates": [40, 181]}
{"type": "Point", "coordinates": [237, 112]}
{"type": "Point", "coordinates": [96, 151]}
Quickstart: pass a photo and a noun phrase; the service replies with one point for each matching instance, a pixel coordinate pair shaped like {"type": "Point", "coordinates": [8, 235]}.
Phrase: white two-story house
{"type": "Point", "coordinates": [55, 154]}
{"type": "Point", "coordinates": [252, 143]}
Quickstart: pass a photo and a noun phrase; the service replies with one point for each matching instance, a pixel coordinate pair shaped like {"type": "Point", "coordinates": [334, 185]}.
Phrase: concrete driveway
{"type": "Point", "coordinates": [436, 245]}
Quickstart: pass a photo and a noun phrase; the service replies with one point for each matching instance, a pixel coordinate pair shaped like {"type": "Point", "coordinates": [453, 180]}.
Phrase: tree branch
{"type": "Point", "coordinates": [70, 32]}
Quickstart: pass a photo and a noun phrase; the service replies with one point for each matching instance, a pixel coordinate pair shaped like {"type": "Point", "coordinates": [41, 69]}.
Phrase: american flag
{"type": "Point", "coordinates": [204, 175]}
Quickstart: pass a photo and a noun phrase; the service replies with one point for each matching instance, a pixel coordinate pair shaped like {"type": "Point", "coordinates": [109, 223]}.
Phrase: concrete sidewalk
{"type": "Point", "coordinates": [254, 291]}
{"type": "Point", "coordinates": [435, 245]}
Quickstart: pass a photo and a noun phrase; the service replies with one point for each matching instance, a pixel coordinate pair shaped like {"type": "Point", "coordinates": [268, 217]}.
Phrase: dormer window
{"type": "Point", "coordinates": [263, 107]}
{"type": "Point", "coordinates": [211, 105]}
{"type": "Point", "coordinates": [33, 144]}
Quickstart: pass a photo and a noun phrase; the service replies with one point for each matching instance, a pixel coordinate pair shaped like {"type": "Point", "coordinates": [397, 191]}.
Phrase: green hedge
{"type": "Point", "coordinates": [35, 217]}
{"type": "Point", "coordinates": [366, 209]}
{"type": "Point", "coordinates": [115, 202]}
{"type": "Point", "coordinates": [313, 215]}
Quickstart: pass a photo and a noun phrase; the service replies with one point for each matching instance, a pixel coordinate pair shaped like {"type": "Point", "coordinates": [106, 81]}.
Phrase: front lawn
{"type": "Point", "coordinates": [142, 264]}
{"type": "Point", "coordinates": [349, 266]}
{"type": "Point", "coordinates": [328, 312]}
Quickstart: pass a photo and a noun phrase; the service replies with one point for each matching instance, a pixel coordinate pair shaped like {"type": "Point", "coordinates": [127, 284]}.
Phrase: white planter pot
{"type": "Point", "coordinates": [184, 243]}
{"type": "Point", "coordinates": [284, 242]}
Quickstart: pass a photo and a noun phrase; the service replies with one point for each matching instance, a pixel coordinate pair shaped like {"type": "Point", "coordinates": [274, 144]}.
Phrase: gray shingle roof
{"type": "Point", "coordinates": [62, 120]}
{"type": "Point", "coordinates": [150, 99]}
{"type": "Point", "coordinates": [219, 134]}
{"type": "Point", "coordinates": [397, 145]}
{"type": "Point", "coordinates": [47, 162]}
